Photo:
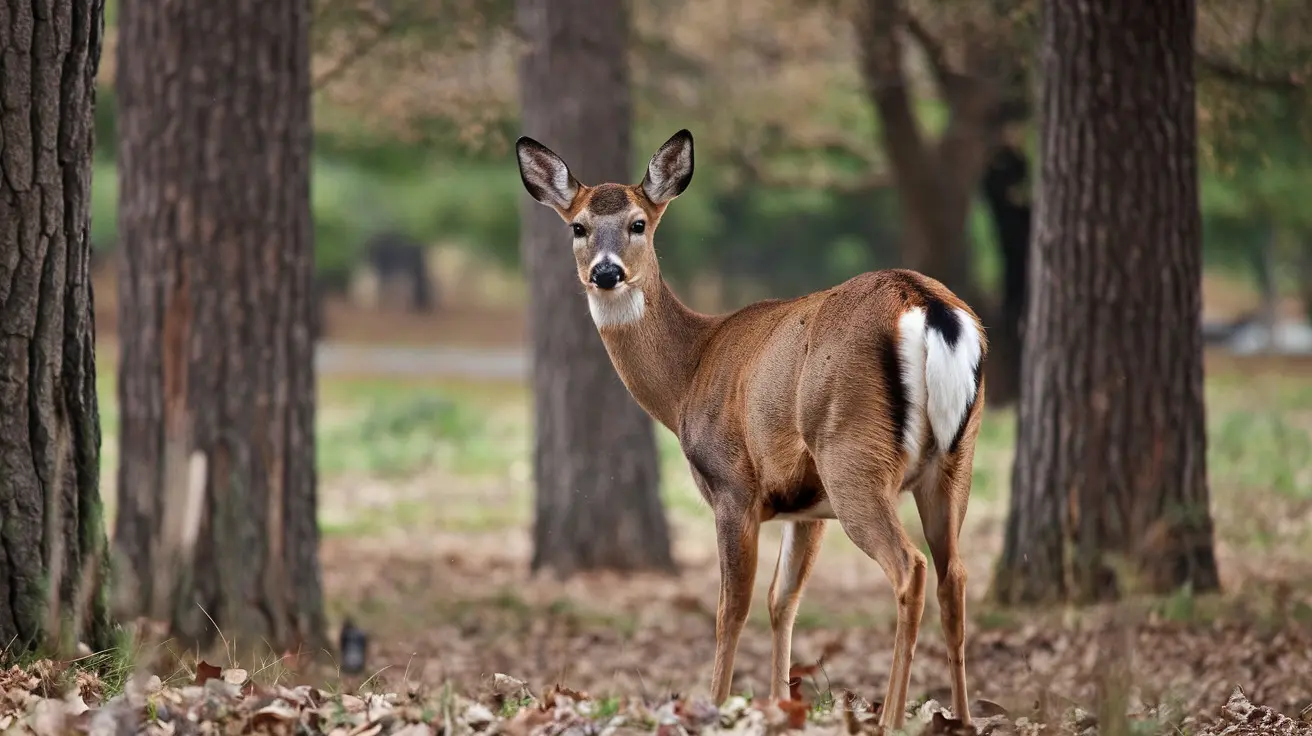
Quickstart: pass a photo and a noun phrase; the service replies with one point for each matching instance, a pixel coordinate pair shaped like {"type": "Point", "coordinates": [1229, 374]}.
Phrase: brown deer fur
{"type": "Point", "coordinates": [825, 406]}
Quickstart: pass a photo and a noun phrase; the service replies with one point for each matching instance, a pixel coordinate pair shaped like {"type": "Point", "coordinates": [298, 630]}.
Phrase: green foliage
{"type": "Point", "coordinates": [787, 240]}
{"type": "Point", "coordinates": [1262, 167]}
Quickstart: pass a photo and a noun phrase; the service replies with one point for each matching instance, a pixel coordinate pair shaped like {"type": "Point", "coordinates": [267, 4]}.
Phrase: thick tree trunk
{"type": "Point", "coordinates": [595, 465]}
{"type": "Point", "coordinates": [1110, 487]}
{"type": "Point", "coordinates": [51, 523]}
{"type": "Point", "coordinates": [1007, 189]}
{"type": "Point", "coordinates": [216, 384]}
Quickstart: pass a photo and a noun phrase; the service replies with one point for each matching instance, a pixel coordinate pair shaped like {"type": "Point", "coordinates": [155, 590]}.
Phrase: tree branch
{"type": "Point", "coordinates": [886, 84]}
{"type": "Point", "coordinates": [935, 53]}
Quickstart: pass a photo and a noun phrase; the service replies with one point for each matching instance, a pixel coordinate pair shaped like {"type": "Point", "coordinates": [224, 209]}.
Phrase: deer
{"type": "Point", "coordinates": [826, 406]}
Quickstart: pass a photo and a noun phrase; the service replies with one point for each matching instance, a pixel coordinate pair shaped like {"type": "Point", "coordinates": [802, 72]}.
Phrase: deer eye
{"type": "Point", "coordinates": [638, 227]}
{"type": "Point", "coordinates": [578, 230]}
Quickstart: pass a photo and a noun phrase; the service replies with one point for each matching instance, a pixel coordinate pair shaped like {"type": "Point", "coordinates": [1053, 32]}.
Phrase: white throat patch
{"type": "Point", "coordinates": [622, 305]}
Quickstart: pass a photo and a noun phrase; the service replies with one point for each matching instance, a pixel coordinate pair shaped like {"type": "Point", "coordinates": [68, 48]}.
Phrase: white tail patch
{"type": "Point", "coordinates": [950, 375]}
{"type": "Point", "coordinates": [911, 358]}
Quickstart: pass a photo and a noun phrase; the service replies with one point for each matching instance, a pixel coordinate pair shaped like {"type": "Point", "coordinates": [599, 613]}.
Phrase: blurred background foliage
{"type": "Point", "coordinates": [415, 112]}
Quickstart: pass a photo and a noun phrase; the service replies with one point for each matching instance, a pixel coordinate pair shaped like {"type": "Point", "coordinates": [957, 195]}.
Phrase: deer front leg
{"type": "Point", "coordinates": [736, 533]}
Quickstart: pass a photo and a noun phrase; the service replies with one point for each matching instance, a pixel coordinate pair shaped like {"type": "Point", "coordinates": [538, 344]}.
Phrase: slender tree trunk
{"type": "Point", "coordinates": [1264, 272]}
{"type": "Point", "coordinates": [935, 177]}
{"type": "Point", "coordinates": [216, 385]}
{"type": "Point", "coordinates": [52, 532]}
{"type": "Point", "coordinates": [1305, 273]}
{"type": "Point", "coordinates": [1110, 487]}
{"type": "Point", "coordinates": [595, 465]}
{"type": "Point", "coordinates": [1007, 190]}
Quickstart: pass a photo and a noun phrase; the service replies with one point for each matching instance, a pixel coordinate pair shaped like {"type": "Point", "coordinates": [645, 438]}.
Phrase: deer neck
{"type": "Point", "coordinates": [655, 344]}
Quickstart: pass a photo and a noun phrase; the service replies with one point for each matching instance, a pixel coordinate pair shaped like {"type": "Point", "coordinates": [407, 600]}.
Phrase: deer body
{"type": "Point", "coordinates": [826, 406]}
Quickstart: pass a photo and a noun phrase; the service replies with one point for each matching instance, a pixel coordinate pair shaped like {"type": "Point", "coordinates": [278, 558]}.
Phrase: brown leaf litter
{"type": "Point", "coordinates": [51, 699]}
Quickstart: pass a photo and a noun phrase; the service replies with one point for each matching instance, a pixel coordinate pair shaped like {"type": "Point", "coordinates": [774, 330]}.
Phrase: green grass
{"type": "Point", "coordinates": [399, 436]}
{"type": "Point", "coordinates": [466, 449]}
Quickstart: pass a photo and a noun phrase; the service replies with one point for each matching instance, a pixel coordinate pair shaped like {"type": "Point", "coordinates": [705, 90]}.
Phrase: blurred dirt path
{"type": "Point", "coordinates": [413, 361]}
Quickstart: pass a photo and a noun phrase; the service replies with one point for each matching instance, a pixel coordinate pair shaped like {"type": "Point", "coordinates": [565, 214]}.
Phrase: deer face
{"type": "Point", "coordinates": [611, 225]}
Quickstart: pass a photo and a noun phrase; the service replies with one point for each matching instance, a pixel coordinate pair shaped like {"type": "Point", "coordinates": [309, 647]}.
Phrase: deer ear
{"type": "Point", "coordinates": [670, 170]}
{"type": "Point", "coordinates": [545, 175]}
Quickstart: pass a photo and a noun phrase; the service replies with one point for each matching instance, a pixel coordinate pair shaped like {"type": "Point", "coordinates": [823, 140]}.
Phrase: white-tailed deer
{"type": "Point", "coordinates": [826, 406]}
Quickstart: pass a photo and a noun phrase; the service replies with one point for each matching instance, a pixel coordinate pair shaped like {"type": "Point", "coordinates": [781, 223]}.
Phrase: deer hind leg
{"type": "Point", "coordinates": [942, 505]}
{"type": "Point", "coordinates": [797, 555]}
{"type": "Point", "coordinates": [736, 533]}
{"type": "Point", "coordinates": [864, 497]}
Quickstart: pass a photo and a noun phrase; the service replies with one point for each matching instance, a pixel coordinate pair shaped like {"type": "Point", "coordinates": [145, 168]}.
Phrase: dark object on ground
{"type": "Point", "coordinates": [395, 255]}
{"type": "Point", "coordinates": [353, 643]}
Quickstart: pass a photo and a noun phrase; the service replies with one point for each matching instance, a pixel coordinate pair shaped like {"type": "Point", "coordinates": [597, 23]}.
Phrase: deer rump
{"type": "Point", "coordinates": [881, 370]}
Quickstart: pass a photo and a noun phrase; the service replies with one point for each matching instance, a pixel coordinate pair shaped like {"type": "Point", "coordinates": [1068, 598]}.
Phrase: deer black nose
{"type": "Point", "coordinates": [606, 274]}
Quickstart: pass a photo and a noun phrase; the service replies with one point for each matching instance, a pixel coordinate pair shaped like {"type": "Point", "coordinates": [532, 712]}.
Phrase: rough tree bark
{"type": "Point", "coordinates": [216, 384]}
{"type": "Point", "coordinates": [937, 178]}
{"type": "Point", "coordinates": [1109, 491]}
{"type": "Point", "coordinates": [595, 464]}
{"type": "Point", "coordinates": [51, 523]}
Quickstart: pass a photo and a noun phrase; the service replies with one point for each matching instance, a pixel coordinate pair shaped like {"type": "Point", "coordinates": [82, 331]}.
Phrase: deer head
{"type": "Point", "coordinates": [612, 225]}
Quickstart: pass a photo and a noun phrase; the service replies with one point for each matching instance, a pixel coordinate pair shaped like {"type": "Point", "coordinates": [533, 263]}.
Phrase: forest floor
{"type": "Point", "coordinates": [425, 508]}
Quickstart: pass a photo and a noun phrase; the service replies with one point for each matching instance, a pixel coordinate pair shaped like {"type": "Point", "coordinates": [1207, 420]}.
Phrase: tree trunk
{"type": "Point", "coordinates": [935, 177]}
{"type": "Point", "coordinates": [1007, 190]}
{"type": "Point", "coordinates": [216, 384]}
{"type": "Point", "coordinates": [1109, 492]}
{"type": "Point", "coordinates": [1268, 288]}
{"type": "Point", "coordinates": [595, 466]}
{"type": "Point", "coordinates": [1305, 273]}
{"type": "Point", "coordinates": [51, 523]}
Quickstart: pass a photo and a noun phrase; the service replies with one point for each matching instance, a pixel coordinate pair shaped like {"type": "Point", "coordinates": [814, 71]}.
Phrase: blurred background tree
{"type": "Point", "coordinates": [216, 524]}
{"type": "Point", "coordinates": [598, 500]}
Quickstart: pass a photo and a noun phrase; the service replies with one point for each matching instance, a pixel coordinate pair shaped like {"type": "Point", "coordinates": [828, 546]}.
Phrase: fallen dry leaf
{"type": "Point", "coordinates": [796, 710]}
{"type": "Point", "coordinates": [206, 672]}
